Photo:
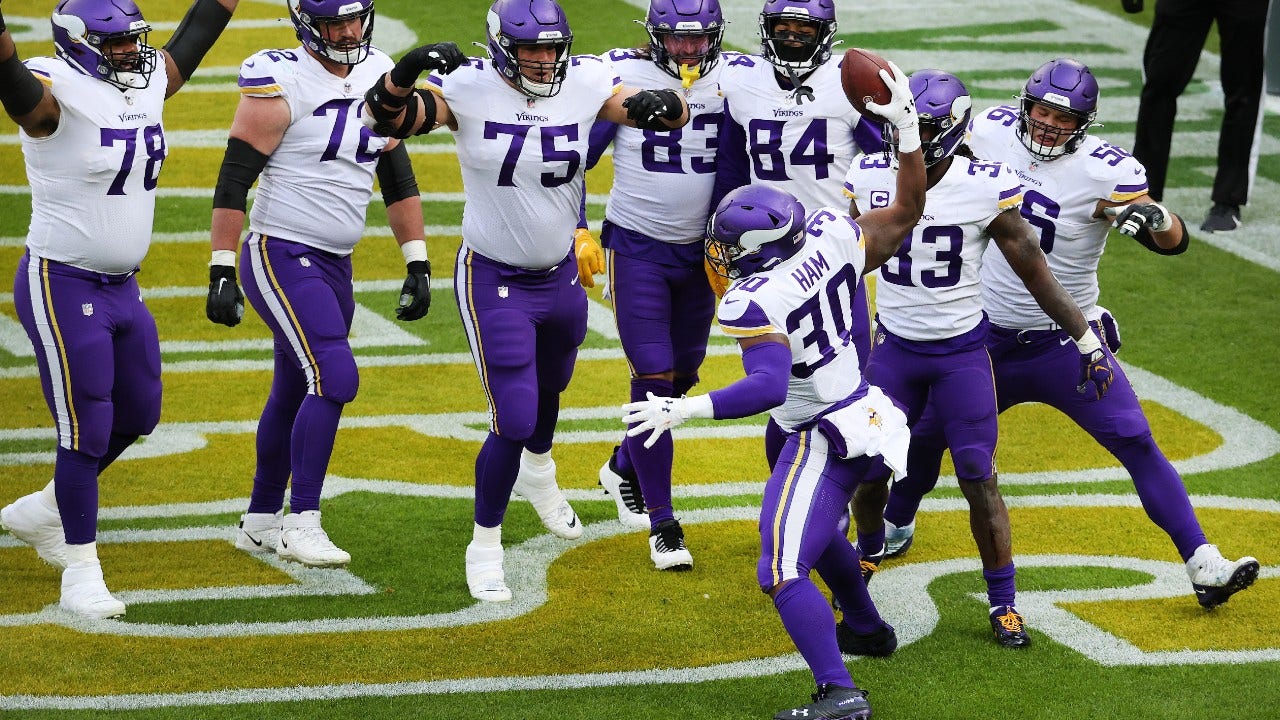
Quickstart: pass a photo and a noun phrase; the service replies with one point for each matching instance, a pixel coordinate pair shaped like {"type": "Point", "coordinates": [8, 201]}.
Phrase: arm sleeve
{"type": "Point", "coordinates": [602, 133]}
{"type": "Point", "coordinates": [395, 175]}
{"type": "Point", "coordinates": [768, 367]}
{"type": "Point", "coordinates": [732, 164]}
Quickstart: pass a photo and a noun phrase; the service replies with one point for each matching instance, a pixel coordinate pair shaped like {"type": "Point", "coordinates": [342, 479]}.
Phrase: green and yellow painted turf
{"type": "Point", "coordinates": [595, 632]}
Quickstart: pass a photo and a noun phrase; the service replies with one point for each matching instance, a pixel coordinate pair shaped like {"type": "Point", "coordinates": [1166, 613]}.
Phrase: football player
{"type": "Point", "coordinates": [653, 230]}
{"type": "Point", "coordinates": [93, 139]}
{"type": "Point", "coordinates": [1077, 188]}
{"type": "Point", "coordinates": [930, 341]}
{"type": "Point", "coordinates": [791, 307]}
{"type": "Point", "coordinates": [522, 120]}
{"type": "Point", "coordinates": [298, 133]}
{"type": "Point", "coordinates": [787, 123]}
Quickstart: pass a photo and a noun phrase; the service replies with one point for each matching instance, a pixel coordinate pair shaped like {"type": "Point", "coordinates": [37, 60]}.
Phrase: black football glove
{"type": "Point", "coordinates": [444, 57]}
{"type": "Point", "coordinates": [1095, 374]}
{"type": "Point", "coordinates": [1131, 219]}
{"type": "Point", "coordinates": [225, 304]}
{"type": "Point", "coordinates": [647, 106]}
{"type": "Point", "coordinates": [415, 294]}
{"type": "Point", "coordinates": [1131, 6]}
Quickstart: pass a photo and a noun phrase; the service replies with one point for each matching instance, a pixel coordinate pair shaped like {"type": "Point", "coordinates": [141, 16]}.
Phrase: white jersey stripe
{"type": "Point", "coordinates": [277, 304]}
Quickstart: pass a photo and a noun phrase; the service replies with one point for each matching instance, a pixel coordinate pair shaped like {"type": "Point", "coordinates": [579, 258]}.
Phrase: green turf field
{"type": "Point", "coordinates": [594, 631]}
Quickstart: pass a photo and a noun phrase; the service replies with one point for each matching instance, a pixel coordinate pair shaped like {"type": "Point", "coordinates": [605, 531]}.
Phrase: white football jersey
{"type": "Point", "coordinates": [1059, 199]}
{"type": "Point", "coordinates": [523, 159]}
{"type": "Point", "coordinates": [930, 289]}
{"type": "Point", "coordinates": [316, 186]}
{"type": "Point", "coordinates": [802, 147]}
{"type": "Point", "coordinates": [93, 181]}
{"type": "Point", "coordinates": [662, 181]}
{"type": "Point", "coordinates": [809, 298]}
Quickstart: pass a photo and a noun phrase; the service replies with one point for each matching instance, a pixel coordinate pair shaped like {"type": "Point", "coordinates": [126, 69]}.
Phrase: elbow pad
{"type": "Point", "coordinates": [241, 166]}
{"type": "Point", "coordinates": [395, 175]}
{"type": "Point", "coordinates": [198, 31]}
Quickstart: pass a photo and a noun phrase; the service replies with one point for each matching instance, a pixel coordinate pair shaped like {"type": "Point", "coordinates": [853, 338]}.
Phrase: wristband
{"type": "Point", "coordinates": [1167, 225]}
{"type": "Point", "coordinates": [223, 257]}
{"type": "Point", "coordinates": [1088, 342]}
{"type": "Point", "coordinates": [414, 251]}
{"type": "Point", "coordinates": [909, 139]}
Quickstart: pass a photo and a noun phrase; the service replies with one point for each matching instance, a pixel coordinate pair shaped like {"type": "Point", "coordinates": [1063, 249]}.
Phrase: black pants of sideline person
{"type": "Point", "coordinates": [1173, 48]}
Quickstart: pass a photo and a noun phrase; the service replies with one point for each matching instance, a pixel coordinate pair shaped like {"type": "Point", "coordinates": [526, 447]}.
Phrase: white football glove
{"type": "Point", "coordinates": [660, 414]}
{"type": "Point", "coordinates": [900, 111]}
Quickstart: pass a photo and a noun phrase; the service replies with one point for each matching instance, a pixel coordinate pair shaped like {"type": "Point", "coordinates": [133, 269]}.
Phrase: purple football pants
{"type": "Point", "coordinates": [804, 501]}
{"type": "Point", "coordinates": [1044, 366]}
{"type": "Point", "coordinates": [305, 296]}
{"type": "Point", "coordinates": [99, 359]}
{"type": "Point", "coordinates": [524, 328]}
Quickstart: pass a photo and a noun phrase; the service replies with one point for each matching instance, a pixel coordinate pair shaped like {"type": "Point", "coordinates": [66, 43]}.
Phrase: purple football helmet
{"type": "Point", "coordinates": [685, 30]}
{"type": "Point", "coordinates": [812, 52]}
{"type": "Point", "coordinates": [542, 23]}
{"type": "Point", "coordinates": [82, 27]}
{"type": "Point", "coordinates": [311, 21]}
{"type": "Point", "coordinates": [944, 106]}
{"type": "Point", "coordinates": [1065, 85]}
{"type": "Point", "coordinates": [754, 228]}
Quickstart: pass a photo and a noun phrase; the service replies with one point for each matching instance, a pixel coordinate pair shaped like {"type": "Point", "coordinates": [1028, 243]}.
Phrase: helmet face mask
{"type": "Point", "coordinates": [684, 32]}
{"type": "Point", "coordinates": [1065, 86]}
{"type": "Point", "coordinates": [753, 229]}
{"type": "Point", "coordinates": [315, 20]}
{"type": "Point", "coordinates": [791, 51]}
{"type": "Point", "coordinates": [513, 24]}
{"type": "Point", "coordinates": [944, 106]}
{"type": "Point", "coordinates": [89, 35]}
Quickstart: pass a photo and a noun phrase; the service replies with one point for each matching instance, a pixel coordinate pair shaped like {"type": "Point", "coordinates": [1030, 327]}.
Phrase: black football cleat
{"type": "Point", "coordinates": [1009, 628]}
{"type": "Point", "coordinates": [880, 643]}
{"type": "Point", "coordinates": [831, 702]}
{"type": "Point", "coordinates": [870, 564]}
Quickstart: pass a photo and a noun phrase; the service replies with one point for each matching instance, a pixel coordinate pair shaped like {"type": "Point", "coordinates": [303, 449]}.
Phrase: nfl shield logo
{"type": "Point", "coordinates": [87, 309]}
{"type": "Point", "coordinates": [503, 291]}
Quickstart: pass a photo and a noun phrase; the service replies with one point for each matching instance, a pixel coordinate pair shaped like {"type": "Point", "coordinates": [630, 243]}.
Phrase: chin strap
{"type": "Point", "coordinates": [802, 91]}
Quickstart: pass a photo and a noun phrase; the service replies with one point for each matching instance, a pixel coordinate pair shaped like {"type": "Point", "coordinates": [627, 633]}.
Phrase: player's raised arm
{"type": "Point", "coordinates": [883, 229]}
{"type": "Point", "coordinates": [396, 109]}
{"type": "Point", "coordinates": [26, 100]}
{"type": "Point", "coordinates": [199, 30]}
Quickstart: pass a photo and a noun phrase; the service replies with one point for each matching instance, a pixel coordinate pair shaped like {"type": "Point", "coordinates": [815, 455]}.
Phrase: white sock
{"type": "Point", "coordinates": [77, 554]}
{"type": "Point", "coordinates": [538, 461]}
{"type": "Point", "coordinates": [48, 497]}
{"type": "Point", "coordinates": [487, 537]}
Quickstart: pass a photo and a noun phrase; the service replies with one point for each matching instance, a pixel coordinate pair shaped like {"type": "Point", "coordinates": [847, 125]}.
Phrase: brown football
{"type": "Point", "coordinates": [860, 77]}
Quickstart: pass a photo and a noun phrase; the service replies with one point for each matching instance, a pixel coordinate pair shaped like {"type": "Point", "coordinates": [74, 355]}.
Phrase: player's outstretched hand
{"type": "Point", "coordinates": [1130, 219]}
{"type": "Point", "coordinates": [656, 414]}
{"type": "Point", "coordinates": [442, 57]}
{"type": "Point", "coordinates": [225, 304]}
{"type": "Point", "coordinates": [415, 294]}
{"type": "Point", "coordinates": [590, 257]}
{"type": "Point", "coordinates": [900, 111]}
{"type": "Point", "coordinates": [646, 107]}
{"type": "Point", "coordinates": [1095, 368]}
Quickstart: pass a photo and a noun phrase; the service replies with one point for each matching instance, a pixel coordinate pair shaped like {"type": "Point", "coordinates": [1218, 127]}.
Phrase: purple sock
{"type": "Point", "coordinates": [808, 620]}
{"type": "Point", "coordinates": [653, 465]}
{"type": "Point", "coordinates": [496, 469]}
{"type": "Point", "coordinates": [871, 543]}
{"type": "Point", "coordinates": [271, 475]}
{"type": "Point", "coordinates": [1000, 585]}
{"type": "Point", "coordinates": [75, 485]}
{"type": "Point", "coordinates": [117, 444]}
{"type": "Point", "coordinates": [544, 428]}
{"type": "Point", "coordinates": [311, 446]}
{"type": "Point", "coordinates": [841, 571]}
{"type": "Point", "coordinates": [1162, 493]}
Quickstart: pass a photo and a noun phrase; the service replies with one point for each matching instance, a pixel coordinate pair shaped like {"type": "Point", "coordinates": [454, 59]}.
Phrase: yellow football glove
{"type": "Point", "coordinates": [590, 257]}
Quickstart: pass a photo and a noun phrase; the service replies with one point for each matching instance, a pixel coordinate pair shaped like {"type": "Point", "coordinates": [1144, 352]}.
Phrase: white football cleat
{"type": "Point", "coordinates": [485, 577]}
{"type": "Point", "coordinates": [259, 532]}
{"type": "Point", "coordinates": [897, 540]}
{"type": "Point", "coordinates": [302, 540]}
{"type": "Point", "coordinates": [36, 524]}
{"type": "Point", "coordinates": [1215, 578]}
{"type": "Point", "coordinates": [667, 549]}
{"type": "Point", "coordinates": [625, 491]}
{"type": "Point", "coordinates": [85, 593]}
{"type": "Point", "coordinates": [538, 486]}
